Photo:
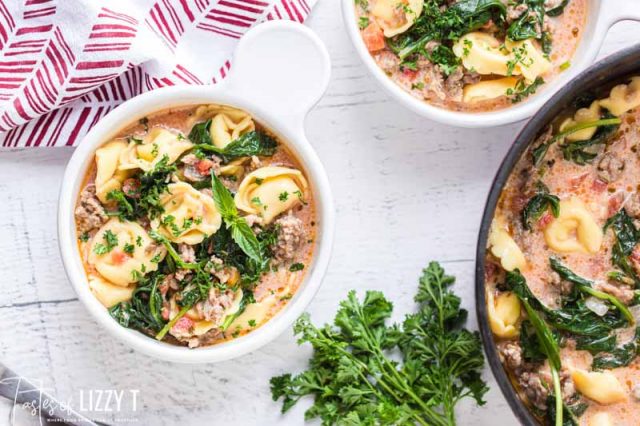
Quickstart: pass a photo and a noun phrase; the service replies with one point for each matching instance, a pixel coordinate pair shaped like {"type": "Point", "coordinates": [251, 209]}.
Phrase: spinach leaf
{"type": "Point", "coordinates": [579, 152]}
{"type": "Point", "coordinates": [558, 10]}
{"type": "Point", "coordinates": [248, 144]}
{"type": "Point", "coordinates": [596, 344]}
{"type": "Point", "coordinates": [627, 236]}
{"type": "Point", "coordinates": [532, 351]}
{"type": "Point", "coordinates": [433, 23]}
{"type": "Point", "coordinates": [142, 312]}
{"type": "Point", "coordinates": [538, 204]}
{"type": "Point", "coordinates": [620, 356]}
{"type": "Point", "coordinates": [585, 286]}
{"type": "Point", "coordinates": [199, 133]}
{"type": "Point", "coordinates": [541, 150]}
{"type": "Point", "coordinates": [572, 409]}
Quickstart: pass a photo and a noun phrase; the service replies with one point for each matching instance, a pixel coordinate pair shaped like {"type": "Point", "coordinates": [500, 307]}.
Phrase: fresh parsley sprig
{"type": "Point", "coordinates": [355, 381]}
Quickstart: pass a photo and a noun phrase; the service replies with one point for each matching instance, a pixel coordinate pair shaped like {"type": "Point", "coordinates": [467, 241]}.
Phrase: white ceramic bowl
{"type": "Point", "coordinates": [602, 14]}
{"type": "Point", "coordinates": [280, 70]}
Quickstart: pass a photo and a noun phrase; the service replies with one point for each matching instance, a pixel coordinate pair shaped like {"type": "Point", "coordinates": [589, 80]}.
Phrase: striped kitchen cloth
{"type": "Point", "coordinates": [64, 64]}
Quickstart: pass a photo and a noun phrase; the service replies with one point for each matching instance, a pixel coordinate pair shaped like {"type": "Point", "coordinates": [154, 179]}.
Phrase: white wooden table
{"type": "Point", "coordinates": [407, 191]}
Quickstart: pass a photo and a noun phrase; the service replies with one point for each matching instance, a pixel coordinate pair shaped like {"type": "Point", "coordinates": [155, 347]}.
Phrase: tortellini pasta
{"type": "Point", "coordinates": [107, 293]}
{"type": "Point", "coordinates": [189, 215]}
{"type": "Point", "coordinates": [270, 191]}
{"type": "Point", "coordinates": [156, 145]}
{"type": "Point", "coordinates": [202, 326]}
{"type": "Point", "coordinates": [396, 16]}
{"type": "Point", "coordinates": [122, 252]}
{"type": "Point", "coordinates": [530, 60]}
{"type": "Point", "coordinates": [504, 313]}
{"type": "Point", "coordinates": [234, 168]}
{"type": "Point", "coordinates": [602, 387]}
{"type": "Point", "coordinates": [254, 314]}
{"type": "Point", "coordinates": [623, 97]}
{"type": "Point", "coordinates": [574, 230]}
{"type": "Point", "coordinates": [484, 54]}
{"type": "Point", "coordinates": [505, 248]}
{"type": "Point", "coordinates": [229, 125]}
{"type": "Point", "coordinates": [108, 176]}
{"type": "Point", "coordinates": [488, 89]}
{"type": "Point", "coordinates": [582, 115]}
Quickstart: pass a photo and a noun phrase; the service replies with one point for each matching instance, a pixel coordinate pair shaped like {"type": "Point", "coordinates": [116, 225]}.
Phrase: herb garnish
{"type": "Point", "coordinates": [110, 242]}
{"type": "Point", "coordinates": [354, 381]}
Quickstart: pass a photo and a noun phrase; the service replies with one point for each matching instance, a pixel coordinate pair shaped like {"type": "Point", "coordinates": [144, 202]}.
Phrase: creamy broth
{"type": "Point", "coordinates": [592, 174]}
{"type": "Point", "coordinates": [457, 85]}
{"type": "Point", "coordinates": [158, 251]}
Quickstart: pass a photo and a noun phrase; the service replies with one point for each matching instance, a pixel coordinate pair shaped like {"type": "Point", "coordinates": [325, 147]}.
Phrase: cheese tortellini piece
{"type": "Point", "coordinates": [396, 16]}
{"type": "Point", "coordinates": [531, 62]}
{"type": "Point", "coordinates": [156, 145]}
{"type": "Point", "coordinates": [108, 176]}
{"type": "Point", "coordinates": [189, 215]}
{"type": "Point", "coordinates": [623, 97]}
{"type": "Point", "coordinates": [574, 230]}
{"type": "Point", "coordinates": [254, 314]}
{"type": "Point", "coordinates": [270, 191]}
{"type": "Point", "coordinates": [484, 54]}
{"type": "Point", "coordinates": [122, 252]}
{"type": "Point", "coordinates": [505, 248]}
{"type": "Point", "coordinates": [583, 115]}
{"type": "Point", "coordinates": [602, 387]}
{"type": "Point", "coordinates": [504, 313]}
{"type": "Point", "coordinates": [488, 89]}
{"type": "Point", "coordinates": [201, 325]}
{"type": "Point", "coordinates": [107, 293]}
{"type": "Point", "coordinates": [229, 125]}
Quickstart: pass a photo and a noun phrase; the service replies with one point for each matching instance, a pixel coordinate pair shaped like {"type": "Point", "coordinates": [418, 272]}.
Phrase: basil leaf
{"type": "Point", "coordinates": [246, 239]}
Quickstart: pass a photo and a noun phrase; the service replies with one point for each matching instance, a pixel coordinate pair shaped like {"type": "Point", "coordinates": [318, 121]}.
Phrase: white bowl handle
{"type": "Point", "coordinates": [621, 10]}
{"type": "Point", "coordinates": [283, 67]}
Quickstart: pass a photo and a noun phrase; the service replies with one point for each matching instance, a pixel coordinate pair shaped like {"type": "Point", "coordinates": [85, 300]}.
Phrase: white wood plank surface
{"type": "Point", "coordinates": [407, 191]}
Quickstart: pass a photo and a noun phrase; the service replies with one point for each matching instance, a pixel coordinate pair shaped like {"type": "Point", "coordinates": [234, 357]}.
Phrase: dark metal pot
{"type": "Point", "coordinates": [609, 70]}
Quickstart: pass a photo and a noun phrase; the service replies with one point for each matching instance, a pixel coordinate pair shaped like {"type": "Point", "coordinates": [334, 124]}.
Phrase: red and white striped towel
{"type": "Point", "coordinates": [64, 64]}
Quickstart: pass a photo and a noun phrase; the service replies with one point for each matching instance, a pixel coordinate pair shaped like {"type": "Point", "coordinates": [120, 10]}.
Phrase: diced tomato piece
{"type": "Point", "coordinates": [183, 325]}
{"type": "Point", "coordinates": [164, 312]}
{"type": "Point", "coordinates": [545, 219]}
{"type": "Point", "coordinates": [409, 73]}
{"type": "Point", "coordinates": [599, 185]}
{"type": "Point", "coordinates": [614, 203]}
{"type": "Point", "coordinates": [635, 255]}
{"type": "Point", "coordinates": [118, 257]}
{"type": "Point", "coordinates": [203, 166]}
{"type": "Point", "coordinates": [373, 37]}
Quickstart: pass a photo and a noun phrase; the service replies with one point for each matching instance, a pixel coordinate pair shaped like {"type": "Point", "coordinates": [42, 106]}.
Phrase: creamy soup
{"type": "Point", "coordinates": [470, 55]}
{"type": "Point", "coordinates": [563, 264]}
{"type": "Point", "coordinates": [195, 225]}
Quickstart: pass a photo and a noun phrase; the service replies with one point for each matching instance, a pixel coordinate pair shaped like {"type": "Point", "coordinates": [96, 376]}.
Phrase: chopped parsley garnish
{"type": "Point", "coordinates": [252, 323]}
{"type": "Point", "coordinates": [129, 248]}
{"type": "Point", "coordinates": [84, 237]}
{"type": "Point", "coordinates": [284, 196]}
{"type": "Point", "coordinates": [110, 242]}
{"type": "Point", "coordinates": [363, 22]}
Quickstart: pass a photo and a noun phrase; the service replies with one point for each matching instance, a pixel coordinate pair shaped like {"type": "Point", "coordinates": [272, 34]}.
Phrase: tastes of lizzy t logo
{"type": "Point", "coordinates": [31, 400]}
